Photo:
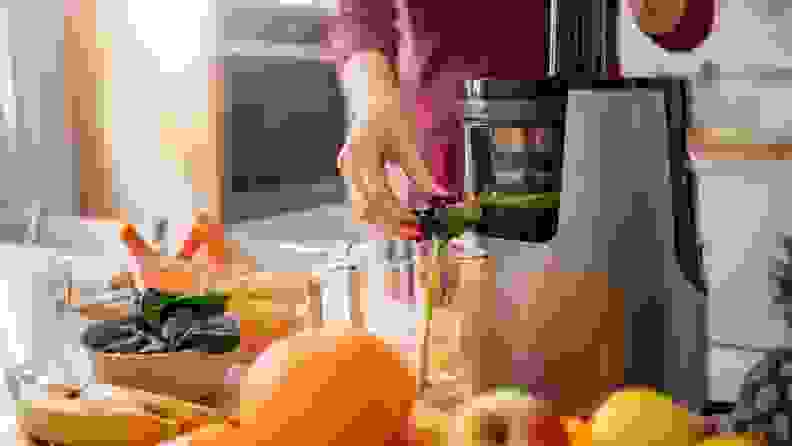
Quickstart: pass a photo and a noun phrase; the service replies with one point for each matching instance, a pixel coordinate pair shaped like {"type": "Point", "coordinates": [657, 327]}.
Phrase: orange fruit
{"type": "Point", "coordinates": [327, 387]}
{"type": "Point", "coordinates": [579, 431]}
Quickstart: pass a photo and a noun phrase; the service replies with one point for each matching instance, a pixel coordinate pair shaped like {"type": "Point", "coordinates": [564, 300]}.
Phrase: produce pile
{"type": "Point", "coordinates": [164, 323]}
{"type": "Point", "coordinates": [632, 417]}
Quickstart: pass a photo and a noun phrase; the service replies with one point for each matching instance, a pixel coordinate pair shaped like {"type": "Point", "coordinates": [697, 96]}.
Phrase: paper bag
{"type": "Point", "coordinates": [559, 335]}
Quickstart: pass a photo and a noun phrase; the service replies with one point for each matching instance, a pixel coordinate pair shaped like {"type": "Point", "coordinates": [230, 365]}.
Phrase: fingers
{"type": "Point", "coordinates": [406, 153]}
{"type": "Point", "coordinates": [415, 168]}
{"type": "Point", "coordinates": [398, 184]}
{"type": "Point", "coordinates": [382, 207]}
{"type": "Point", "coordinates": [373, 199]}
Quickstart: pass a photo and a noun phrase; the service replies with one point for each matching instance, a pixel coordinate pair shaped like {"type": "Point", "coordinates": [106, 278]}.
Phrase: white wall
{"type": "Point", "coordinates": [42, 166]}
{"type": "Point", "coordinates": [746, 35]}
{"type": "Point", "coordinates": [160, 57]}
{"type": "Point", "coordinates": [750, 36]}
{"type": "Point", "coordinates": [744, 206]}
{"type": "Point", "coordinates": [744, 209]}
{"type": "Point", "coordinates": [161, 53]}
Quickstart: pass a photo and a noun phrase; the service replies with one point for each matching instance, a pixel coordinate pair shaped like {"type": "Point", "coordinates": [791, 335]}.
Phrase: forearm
{"type": "Point", "coordinates": [371, 88]}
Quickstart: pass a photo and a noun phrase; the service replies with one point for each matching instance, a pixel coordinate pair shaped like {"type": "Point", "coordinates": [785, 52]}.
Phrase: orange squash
{"type": "Point", "coordinates": [323, 387]}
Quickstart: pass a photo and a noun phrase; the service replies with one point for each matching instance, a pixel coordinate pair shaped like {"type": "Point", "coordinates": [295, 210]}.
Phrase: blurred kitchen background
{"type": "Point", "coordinates": [159, 107]}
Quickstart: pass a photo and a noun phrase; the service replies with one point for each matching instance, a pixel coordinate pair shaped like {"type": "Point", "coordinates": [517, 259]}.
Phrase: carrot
{"type": "Point", "coordinates": [198, 236]}
{"type": "Point", "coordinates": [411, 231]}
{"type": "Point", "coordinates": [135, 244]}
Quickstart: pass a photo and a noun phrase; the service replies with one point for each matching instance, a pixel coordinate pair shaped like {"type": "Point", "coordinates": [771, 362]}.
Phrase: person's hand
{"type": "Point", "coordinates": [386, 135]}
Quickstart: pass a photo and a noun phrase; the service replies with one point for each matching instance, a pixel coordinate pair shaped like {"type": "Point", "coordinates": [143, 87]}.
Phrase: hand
{"type": "Point", "coordinates": [386, 135]}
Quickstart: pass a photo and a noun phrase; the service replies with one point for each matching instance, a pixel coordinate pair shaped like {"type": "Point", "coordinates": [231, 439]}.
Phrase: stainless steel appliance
{"type": "Point", "coordinates": [615, 154]}
{"type": "Point", "coordinates": [627, 206]}
{"type": "Point", "coordinates": [285, 113]}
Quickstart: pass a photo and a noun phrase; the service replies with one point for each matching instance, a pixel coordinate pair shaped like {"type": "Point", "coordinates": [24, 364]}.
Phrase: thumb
{"type": "Point", "coordinates": [417, 170]}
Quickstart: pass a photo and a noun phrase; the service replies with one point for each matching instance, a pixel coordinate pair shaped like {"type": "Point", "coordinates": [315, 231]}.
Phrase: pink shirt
{"type": "Point", "coordinates": [437, 44]}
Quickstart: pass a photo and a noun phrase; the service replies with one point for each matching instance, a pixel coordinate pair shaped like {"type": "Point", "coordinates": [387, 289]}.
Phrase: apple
{"type": "Point", "coordinates": [502, 419]}
{"type": "Point", "coordinates": [544, 431]}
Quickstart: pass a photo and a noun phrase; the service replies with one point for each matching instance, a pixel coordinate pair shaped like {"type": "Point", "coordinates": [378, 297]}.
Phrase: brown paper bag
{"type": "Point", "coordinates": [571, 324]}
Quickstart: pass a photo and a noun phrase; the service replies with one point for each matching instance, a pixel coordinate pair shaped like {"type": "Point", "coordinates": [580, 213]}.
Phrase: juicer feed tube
{"type": "Point", "coordinates": [514, 104]}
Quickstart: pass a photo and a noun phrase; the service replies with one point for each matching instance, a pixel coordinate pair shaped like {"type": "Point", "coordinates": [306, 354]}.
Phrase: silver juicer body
{"type": "Point", "coordinates": [627, 207]}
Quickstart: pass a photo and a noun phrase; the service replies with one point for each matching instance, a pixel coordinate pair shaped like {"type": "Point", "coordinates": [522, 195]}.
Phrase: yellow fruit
{"type": "Point", "coordinates": [734, 440]}
{"type": "Point", "coordinates": [640, 417]}
{"type": "Point", "coordinates": [432, 429]}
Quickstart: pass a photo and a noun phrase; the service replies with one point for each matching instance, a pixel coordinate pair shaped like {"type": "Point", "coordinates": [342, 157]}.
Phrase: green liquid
{"type": "Point", "coordinates": [464, 217]}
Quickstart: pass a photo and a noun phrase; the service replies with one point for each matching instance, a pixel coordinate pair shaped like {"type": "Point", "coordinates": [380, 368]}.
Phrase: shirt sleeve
{"type": "Point", "coordinates": [693, 28]}
{"type": "Point", "coordinates": [360, 25]}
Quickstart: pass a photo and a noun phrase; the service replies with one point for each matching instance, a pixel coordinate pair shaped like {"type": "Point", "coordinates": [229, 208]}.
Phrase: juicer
{"type": "Point", "coordinates": [618, 193]}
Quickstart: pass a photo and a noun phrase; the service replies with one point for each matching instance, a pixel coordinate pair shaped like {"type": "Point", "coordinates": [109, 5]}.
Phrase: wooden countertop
{"type": "Point", "coordinates": [728, 144]}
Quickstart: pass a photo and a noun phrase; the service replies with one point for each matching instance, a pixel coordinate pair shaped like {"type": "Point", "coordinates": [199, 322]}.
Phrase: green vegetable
{"type": "Point", "coordinates": [520, 200]}
{"type": "Point", "coordinates": [152, 312]}
{"type": "Point", "coordinates": [512, 392]}
{"type": "Point", "coordinates": [461, 218]}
